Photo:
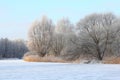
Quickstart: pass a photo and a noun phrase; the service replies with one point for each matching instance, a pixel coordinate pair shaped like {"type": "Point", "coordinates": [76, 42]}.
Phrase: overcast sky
{"type": "Point", "coordinates": [16, 16]}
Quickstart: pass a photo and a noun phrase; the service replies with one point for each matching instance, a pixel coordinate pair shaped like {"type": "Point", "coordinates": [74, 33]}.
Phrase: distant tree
{"type": "Point", "coordinates": [20, 48]}
{"type": "Point", "coordinates": [12, 49]}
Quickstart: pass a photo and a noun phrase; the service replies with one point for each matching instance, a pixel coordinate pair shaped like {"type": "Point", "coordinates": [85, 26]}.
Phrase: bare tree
{"type": "Point", "coordinates": [94, 33]}
{"type": "Point", "coordinates": [40, 36]}
{"type": "Point", "coordinates": [64, 26]}
{"type": "Point", "coordinates": [58, 43]}
{"type": "Point", "coordinates": [114, 46]}
{"type": "Point", "coordinates": [62, 34]}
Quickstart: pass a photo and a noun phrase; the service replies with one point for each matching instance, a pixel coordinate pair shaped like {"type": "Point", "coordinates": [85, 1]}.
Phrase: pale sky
{"type": "Point", "coordinates": [16, 16]}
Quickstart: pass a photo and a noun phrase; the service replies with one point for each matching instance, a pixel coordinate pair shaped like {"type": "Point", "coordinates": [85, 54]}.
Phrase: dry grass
{"type": "Point", "coordinates": [36, 58]}
{"type": "Point", "coordinates": [51, 58]}
{"type": "Point", "coordinates": [112, 60]}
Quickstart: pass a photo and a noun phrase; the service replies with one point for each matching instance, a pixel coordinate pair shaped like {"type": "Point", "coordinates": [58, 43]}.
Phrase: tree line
{"type": "Point", "coordinates": [12, 48]}
{"type": "Point", "coordinates": [97, 35]}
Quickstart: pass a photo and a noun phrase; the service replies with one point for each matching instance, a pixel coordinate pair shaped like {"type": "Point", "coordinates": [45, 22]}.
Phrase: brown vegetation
{"type": "Point", "coordinates": [112, 60]}
{"type": "Point", "coordinates": [36, 58]}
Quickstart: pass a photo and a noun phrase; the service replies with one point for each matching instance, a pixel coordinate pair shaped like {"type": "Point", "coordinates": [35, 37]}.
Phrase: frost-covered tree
{"type": "Point", "coordinates": [94, 33]}
{"type": "Point", "coordinates": [40, 36]}
{"type": "Point", "coordinates": [62, 34]}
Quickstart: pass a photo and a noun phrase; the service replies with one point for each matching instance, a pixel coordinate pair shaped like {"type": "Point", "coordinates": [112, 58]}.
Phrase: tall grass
{"type": "Point", "coordinates": [111, 60]}
{"type": "Point", "coordinates": [36, 58]}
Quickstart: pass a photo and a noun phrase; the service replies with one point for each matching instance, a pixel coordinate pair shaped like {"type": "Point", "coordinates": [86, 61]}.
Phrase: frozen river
{"type": "Point", "coordinates": [20, 70]}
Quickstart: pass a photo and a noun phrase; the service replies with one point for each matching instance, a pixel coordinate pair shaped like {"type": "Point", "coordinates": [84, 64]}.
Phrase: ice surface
{"type": "Point", "coordinates": [20, 70]}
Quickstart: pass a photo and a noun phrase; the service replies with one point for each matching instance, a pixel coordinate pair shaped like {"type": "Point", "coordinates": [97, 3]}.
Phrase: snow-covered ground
{"type": "Point", "coordinates": [20, 70]}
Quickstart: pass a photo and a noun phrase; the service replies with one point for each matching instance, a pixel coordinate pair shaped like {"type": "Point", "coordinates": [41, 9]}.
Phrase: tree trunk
{"type": "Point", "coordinates": [42, 54]}
{"type": "Point", "coordinates": [99, 56]}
